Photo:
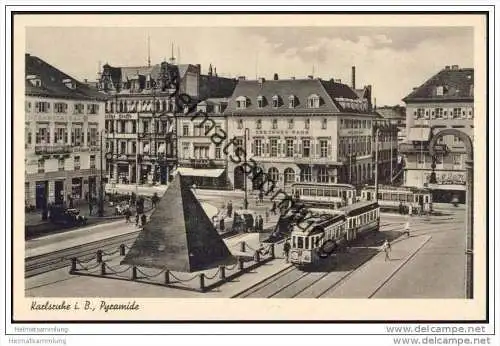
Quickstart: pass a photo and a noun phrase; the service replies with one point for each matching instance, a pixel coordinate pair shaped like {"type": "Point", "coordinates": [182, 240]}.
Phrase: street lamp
{"type": "Point", "coordinates": [245, 201]}
{"type": "Point", "coordinates": [377, 133]}
{"type": "Point", "coordinates": [469, 196]}
{"type": "Point", "coordinates": [100, 212]}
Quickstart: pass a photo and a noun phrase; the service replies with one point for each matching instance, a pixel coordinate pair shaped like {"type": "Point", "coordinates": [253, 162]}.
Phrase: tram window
{"type": "Point", "coordinates": [403, 197]}
{"type": "Point", "coordinates": [300, 243]}
{"type": "Point", "coordinates": [316, 241]}
{"type": "Point", "coordinates": [305, 192]}
{"type": "Point", "coordinates": [384, 196]}
{"type": "Point", "coordinates": [426, 199]}
{"type": "Point", "coordinates": [410, 198]}
{"type": "Point", "coordinates": [335, 193]}
{"type": "Point", "coordinates": [312, 192]}
{"type": "Point", "coordinates": [294, 243]}
{"type": "Point", "coordinates": [328, 193]}
{"type": "Point", "coordinates": [306, 243]}
{"type": "Point", "coordinates": [394, 197]}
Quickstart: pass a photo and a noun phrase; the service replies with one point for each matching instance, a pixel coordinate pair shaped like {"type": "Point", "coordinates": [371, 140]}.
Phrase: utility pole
{"type": "Point", "coordinates": [245, 201]}
{"type": "Point", "coordinates": [376, 163]}
{"type": "Point", "coordinates": [391, 158]}
{"type": "Point", "coordinates": [101, 189]}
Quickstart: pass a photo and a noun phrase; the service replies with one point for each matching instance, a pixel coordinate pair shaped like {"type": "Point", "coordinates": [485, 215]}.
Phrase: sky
{"type": "Point", "coordinates": [393, 60]}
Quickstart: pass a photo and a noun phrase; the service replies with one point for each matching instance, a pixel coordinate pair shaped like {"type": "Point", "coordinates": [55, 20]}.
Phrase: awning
{"type": "Point", "coordinates": [419, 134]}
{"type": "Point", "coordinates": [209, 173]}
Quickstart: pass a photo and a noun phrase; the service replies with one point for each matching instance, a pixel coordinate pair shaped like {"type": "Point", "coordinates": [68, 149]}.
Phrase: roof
{"type": "Point", "coordinates": [395, 112]}
{"type": "Point", "coordinates": [457, 83]}
{"type": "Point", "coordinates": [324, 185]}
{"type": "Point", "coordinates": [302, 89]}
{"type": "Point", "coordinates": [52, 82]}
{"type": "Point", "coordinates": [216, 87]}
{"type": "Point", "coordinates": [358, 205]}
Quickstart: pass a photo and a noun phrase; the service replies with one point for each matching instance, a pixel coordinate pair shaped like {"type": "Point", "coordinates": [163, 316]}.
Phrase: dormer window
{"type": "Point", "coordinates": [241, 102]}
{"type": "Point", "coordinates": [291, 101]}
{"type": "Point", "coordinates": [34, 80]}
{"type": "Point", "coordinates": [69, 83]}
{"type": "Point", "coordinates": [260, 101]}
{"type": "Point", "coordinates": [313, 101]}
{"type": "Point", "coordinates": [276, 101]}
{"type": "Point", "coordinates": [439, 90]}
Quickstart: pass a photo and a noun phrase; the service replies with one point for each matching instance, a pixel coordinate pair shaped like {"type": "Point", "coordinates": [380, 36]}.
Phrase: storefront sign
{"type": "Point", "coordinates": [282, 132]}
{"type": "Point", "coordinates": [448, 178]}
{"type": "Point", "coordinates": [119, 116]}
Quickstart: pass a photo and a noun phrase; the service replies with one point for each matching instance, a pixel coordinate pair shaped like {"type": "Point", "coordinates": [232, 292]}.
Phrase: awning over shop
{"type": "Point", "coordinates": [209, 173]}
{"type": "Point", "coordinates": [418, 134]}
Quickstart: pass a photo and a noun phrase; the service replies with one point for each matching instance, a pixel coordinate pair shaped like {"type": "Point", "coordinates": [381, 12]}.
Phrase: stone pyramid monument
{"type": "Point", "coordinates": [179, 235]}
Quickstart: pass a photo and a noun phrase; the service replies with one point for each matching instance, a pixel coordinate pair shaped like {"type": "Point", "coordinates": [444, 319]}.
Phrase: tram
{"type": "Point", "coordinates": [332, 196]}
{"type": "Point", "coordinates": [391, 197]}
{"type": "Point", "coordinates": [320, 235]}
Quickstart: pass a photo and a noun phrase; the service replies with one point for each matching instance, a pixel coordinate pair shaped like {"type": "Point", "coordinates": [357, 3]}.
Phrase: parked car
{"type": "Point", "coordinates": [66, 217]}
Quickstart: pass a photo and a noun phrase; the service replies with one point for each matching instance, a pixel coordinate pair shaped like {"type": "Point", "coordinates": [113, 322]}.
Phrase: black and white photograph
{"type": "Point", "coordinates": [324, 163]}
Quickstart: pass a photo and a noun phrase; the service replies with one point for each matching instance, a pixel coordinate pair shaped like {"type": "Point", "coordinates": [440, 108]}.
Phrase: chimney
{"type": "Point", "coordinates": [275, 76]}
{"type": "Point", "coordinates": [447, 67]}
{"type": "Point", "coordinates": [198, 66]}
{"type": "Point", "coordinates": [85, 80]}
{"type": "Point", "coordinates": [454, 67]}
{"type": "Point", "coordinates": [310, 77]}
{"type": "Point", "coordinates": [338, 80]}
{"type": "Point", "coordinates": [354, 77]}
{"type": "Point", "coordinates": [241, 78]}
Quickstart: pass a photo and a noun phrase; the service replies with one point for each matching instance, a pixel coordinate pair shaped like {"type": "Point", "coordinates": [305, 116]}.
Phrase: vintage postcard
{"type": "Point", "coordinates": [251, 167]}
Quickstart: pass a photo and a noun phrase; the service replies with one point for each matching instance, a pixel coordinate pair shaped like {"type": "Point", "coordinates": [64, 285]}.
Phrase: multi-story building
{"type": "Point", "coordinates": [395, 115]}
{"type": "Point", "coordinates": [201, 158]}
{"type": "Point", "coordinates": [307, 130]}
{"type": "Point", "coordinates": [444, 101]}
{"type": "Point", "coordinates": [141, 117]}
{"type": "Point", "coordinates": [62, 136]}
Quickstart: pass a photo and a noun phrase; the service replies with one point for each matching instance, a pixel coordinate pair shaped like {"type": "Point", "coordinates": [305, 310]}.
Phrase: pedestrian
{"type": "Point", "coordinates": [144, 219]}
{"type": "Point", "coordinates": [286, 250]}
{"type": "Point", "coordinates": [273, 208]}
{"type": "Point", "coordinates": [90, 207]}
{"type": "Point", "coordinates": [256, 222]}
{"type": "Point", "coordinates": [386, 249]}
{"type": "Point", "coordinates": [410, 210]}
{"type": "Point", "coordinates": [400, 208]}
{"type": "Point", "coordinates": [407, 228]}
{"type": "Point", "coordinates": [222, 224]}
{"type": "Point", "coordinates": [267, 216]}
{"type": "Point", "coordinates": [137, 220]}
{"type": "Point", "coordinates": [128, 214]}
{"type": "Point", "coordinates": [229, 209]}
{"type": "Point", "coordinates": [261, 223]}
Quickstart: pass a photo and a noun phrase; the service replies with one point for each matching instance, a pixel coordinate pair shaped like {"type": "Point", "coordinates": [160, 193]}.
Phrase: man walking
{"type": "Point", "coordinates": [407, 229]}
{"type": "Point", "coordinates": [286, 250]}
{"type": "Point", "coordinates": [386, 248]}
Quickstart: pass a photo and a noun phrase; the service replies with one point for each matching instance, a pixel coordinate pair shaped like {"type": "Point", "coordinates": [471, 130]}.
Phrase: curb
{"type": "Point", "coordinates": [235, 295]}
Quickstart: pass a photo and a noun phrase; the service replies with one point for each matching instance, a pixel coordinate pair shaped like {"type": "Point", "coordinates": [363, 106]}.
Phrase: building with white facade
{"type": "Point", "coordinates": [444, 101]}
{"type": "Point", "coordinates": [301, 130]}
{"type": "Point", "coordinates": [63, 120]}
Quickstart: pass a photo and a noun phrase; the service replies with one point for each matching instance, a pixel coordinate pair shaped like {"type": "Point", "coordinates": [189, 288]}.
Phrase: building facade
{"type": "Point", "coordinates": [445, 101]}
{"type": "Point", "coordinates": [63, 119]}
{"type": "Point", "coordinates": [200, 156]}
{"type": "Point", "coordinates": [142, 137]}
{"type": "Point", "coordinates": [307, 130]}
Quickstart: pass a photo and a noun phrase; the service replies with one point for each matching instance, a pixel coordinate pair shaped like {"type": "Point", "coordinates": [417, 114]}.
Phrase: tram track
{"type": "Point", "coordinates": [54, 260]}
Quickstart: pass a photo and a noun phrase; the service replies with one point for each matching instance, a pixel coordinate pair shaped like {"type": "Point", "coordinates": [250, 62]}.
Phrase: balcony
{"type": "Point", "coordinates": [53, 149]}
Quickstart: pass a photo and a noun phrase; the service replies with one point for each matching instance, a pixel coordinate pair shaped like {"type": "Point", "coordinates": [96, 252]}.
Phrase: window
{"type": "Point", "coordinates": [323, 148]}
{"type": "Point", "coordinates": [306, 148]}
{"type": "Point", "coordinates": [134, 147]}
{"type": "Point", "coordinates": [289, 147]}
{"type": "Point", "coordinates": [307, 123]}
{"type": "Point", "coordinates": [457, 112]}
{"type": "Point", "coordinates": [61, 135]}
{"type": "Point", "coordinates": [258, 124]}
{"type": "Point", "coordinates": [42, 136]}
{"type": "Point", "coordinates": [76, 136]}
{"type": "Point", "coordinates": [276, 101]}
{"type": "Point", "coordinates": [78, 108]}
{"type": "Point", "coordinates": [291, 101]}
{"type": "Point", "coordinates": [145, 126]}
{"type": "Point", "coordinates": [185, 150]}
{"type": "Point", "coordinates": [439, 91]}
{"type": "Point", "coordinates": [457, 161]}
{"type": "Point", "coordinates": [218, 152]}
{"type": "Point", "coordinates": [273, 174]}
{"type": "Point", "coordinates": [134, 127]}
{"type": "Point", "coordinates": [241, 102]}
{"type": "Point", "coordinates": [27, 106]}
{"type": "Point", "coordinates": [323, 124]}
{"type": "Point", "coordinates": [439, 113]}
{"type": "Point", "coordinates": [123, 127]}
{"type": "Point", "coordinates": [322, 175]}
{"type": "Point", "coordinates": [290, 124]}
{"type": "Point", "coordinates": [419, 113]}
{"type": "Point", "coordinates": [42, 107]}
{"type": "Point", "coordinates": [41, 166]}
{"type": "Point", "coordinates": [305, 174]}
{"type": "Point", "coordinates": [60, 165]}
{"type": "Point", "coordinates": [274, 147]}
{"type": "Point", "coordinates": [123, 148]}
{"type": "Point", "coordinates": [258, 147]}
{"type": "Point", "coordinates": [185, 130]}
{"type": "Point", "coordinates": [92, 108]}
{"type": "Point", "coordinates": [60, 107]}
{"type": "Point", "coordinates": [77, 163]}
{"type": "Point", "coordinates": [260, 101]}
{"type": "Point", "coordinates": [240, 124]}
{"type": "Point", "coordinates": [289, 176]}
{"type": "Point", "coordinates": [313, 101]}
{"type": "Point", "coordinates": [456, 140]}
{"type": "Point", "coordinates": [92, 161]}
{"type": "Point", "coordinates": [275, 124]}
